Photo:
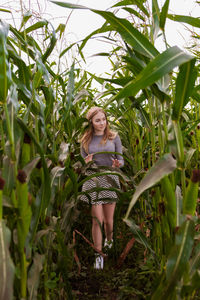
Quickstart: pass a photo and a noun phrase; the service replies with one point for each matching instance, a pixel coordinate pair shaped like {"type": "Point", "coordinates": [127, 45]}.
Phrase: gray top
{"type": "Point", "coordinates": [104, 159]}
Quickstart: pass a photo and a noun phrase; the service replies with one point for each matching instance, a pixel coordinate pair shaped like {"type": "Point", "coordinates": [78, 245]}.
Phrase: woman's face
{"type": "Point", "coordinates": [99, 123]}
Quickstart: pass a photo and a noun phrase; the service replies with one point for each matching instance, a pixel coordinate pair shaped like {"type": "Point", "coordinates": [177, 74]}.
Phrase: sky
{"type": "Point", "coordinates": [80, 23]}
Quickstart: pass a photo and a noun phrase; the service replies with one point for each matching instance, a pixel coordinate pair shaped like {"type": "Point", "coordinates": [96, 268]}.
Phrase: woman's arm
{"type": "Point", "coordinates": [119, 161]}
{"type": "Point", "coordinates": [87, 157]}
{"type": "Point", "coordinates": [83, 153]}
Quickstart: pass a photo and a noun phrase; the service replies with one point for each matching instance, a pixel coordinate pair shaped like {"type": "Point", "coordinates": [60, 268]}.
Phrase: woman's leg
{"type": "Point", "coordinates": [108, 213]}
{"type": "Point", "coordinates": [97, 221]}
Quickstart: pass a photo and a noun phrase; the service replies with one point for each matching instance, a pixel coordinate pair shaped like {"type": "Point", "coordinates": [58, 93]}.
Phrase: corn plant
{"type": "Point", "coordinates": [40, 126]}
{"type": "Point", "coordinates": [152, 100]}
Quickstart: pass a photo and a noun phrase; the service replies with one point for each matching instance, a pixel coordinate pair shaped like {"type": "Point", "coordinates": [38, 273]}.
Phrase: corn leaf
{"type": "Point", "coordinates": [163, 14]}
{"type": "Point", "coordinates": [179, 142]}
{"type": "Point", "coordinates": [144, 116]}
{"type": "Point", "coordinates": [45, 192]}
{"type": "Point", "coordinates": [190, 198]}
{"type": "Point", "coordinates": [170, 201]}
{"type": "Point", "coordinates": [156, 18]}
{"type": "Point", "coordinates": [69, 5]}
{"type": "Point", "coordinates": [55, 173]}
{"type": "Point", "coordinates": [188, 156]}
{"type": "Point", "coordinates": [67, 49]}
{"type": "Point", "coordinates": [180, 254]}
{"type": "Point", "coordinates": [70, 85]}
{"type": "Point", "coordinates": [50, 47]}
{"type": "Point", "coordinates": [177, 261]}
{"type": "Point", "coordinates": [134, 12]}
{"type": "Point", "coordinates": [34, 275]}
{"type": "Point", "coordinates": [162, 167]}
{"type": "Point", "coordinates": [5, 10]}
{"type": "Point", "coordinates": [184, 87]}
{"type": "Point", "coordinates": [155, 70]}
{"type": "Point", "coordinates": [195, 260]}
{"type": "Point", "coordinates": [24, 74]}
{"type": "Point", "coordinates": [5, 74]}
{"type": "Point", "coordinates": [179, 205]}
{"type": "Point", "coordinates": [104, 28]}
{"type": "Point", "coordinates": [131, 35]}
{"type": "Point", "coordinates": [9, 173]}
{"type": "Point", "coordinates": [6, 264]}
{"type": "Point", "coordinates": [185, 19]}
{"type": "Point", "coordinates": [30, 166]}
{"type": "Point", "coordinates": [195, 282]}
{"type": "Point", "coordinates": [25, 19]}
{"type": "Point", "coordinates": [35, 26]}
{"type": "Point", "coordinates": [138, 234]}
{"type": "Point", "coordinates": [137, 3]}
{"type": "Point", "coordinates": [49, 98]}
{"type": "Point", "coordinates": [25, 213]}
{"type": "Point", "coordinates": [156, 10]}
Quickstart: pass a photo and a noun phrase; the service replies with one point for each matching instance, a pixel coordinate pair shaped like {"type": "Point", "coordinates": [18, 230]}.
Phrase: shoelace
{"type": "Point", "coordinates": [108, 244]}
{"type": "Point", "coordinates": [98, 264]}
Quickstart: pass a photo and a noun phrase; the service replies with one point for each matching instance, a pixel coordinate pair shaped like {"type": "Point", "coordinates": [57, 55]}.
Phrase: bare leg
{"type": "Point", "coordinates": [108, 213]}
{"type": "Point", "coordinates": [97, 221]}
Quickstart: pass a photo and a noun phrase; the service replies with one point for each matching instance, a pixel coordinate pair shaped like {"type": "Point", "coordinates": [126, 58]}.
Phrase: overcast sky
{"type": "Point", "coordinates": [80, 23]}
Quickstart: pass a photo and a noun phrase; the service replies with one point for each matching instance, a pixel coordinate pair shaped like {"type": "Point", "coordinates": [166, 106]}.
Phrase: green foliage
{"type": "Point", "coordinates": [6, 264]}
{"type": "Point", "coordinates": [177, 261]}
{"type": "Point", "coordinates": [163, 14]}
{"type": "Point", "coordinates": [156, 111]}
{"type": "Point", "coordinates": [156, 69]}
{"type": "Point", "coordinates": [185, 19]}
{"type": "Point", "coordinates": [5, 74]}
{"type": "Point", "coordinates": [184, 87]}
{"type": "Point", "coordinates": [163, 167]}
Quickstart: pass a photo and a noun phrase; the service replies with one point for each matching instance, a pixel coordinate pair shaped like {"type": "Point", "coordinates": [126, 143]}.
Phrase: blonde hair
{"type": "Point", "coordinates": [87, 136]}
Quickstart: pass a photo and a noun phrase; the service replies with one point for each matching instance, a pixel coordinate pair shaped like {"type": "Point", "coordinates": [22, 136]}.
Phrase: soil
{"type": "Point", "coordinates": [130, 279]}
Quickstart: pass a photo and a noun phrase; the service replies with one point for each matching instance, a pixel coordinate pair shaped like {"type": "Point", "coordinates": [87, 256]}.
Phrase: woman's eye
{"type": "Point", "coordinates": [96, 121]}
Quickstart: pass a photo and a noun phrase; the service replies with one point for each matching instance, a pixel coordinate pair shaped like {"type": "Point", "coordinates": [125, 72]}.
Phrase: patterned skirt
{"type": "Point", "coordinates": [96, 189]}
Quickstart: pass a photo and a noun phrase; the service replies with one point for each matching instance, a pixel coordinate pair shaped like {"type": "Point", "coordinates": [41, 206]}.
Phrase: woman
{"type": "Point", "coordinates": [99, 138]}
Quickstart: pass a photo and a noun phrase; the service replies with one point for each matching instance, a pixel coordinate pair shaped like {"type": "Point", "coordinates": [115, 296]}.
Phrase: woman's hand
{"type": "Point", "coordinates": [88, 158]}
{"type": "Point", "coordinates": [116, 163]}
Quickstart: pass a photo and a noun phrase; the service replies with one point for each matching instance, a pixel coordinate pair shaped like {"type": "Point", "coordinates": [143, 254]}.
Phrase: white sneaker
{"type": "Point", "coordinates": [98, 264]}
{"type": "Point", "coordinates": [108, 244]}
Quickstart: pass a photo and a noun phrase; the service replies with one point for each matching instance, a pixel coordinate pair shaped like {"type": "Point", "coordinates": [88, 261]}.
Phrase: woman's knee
{"type": "Point", "coordinates": [108, 223]}
{"type": "Point", "coordinates": [96, 222]}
